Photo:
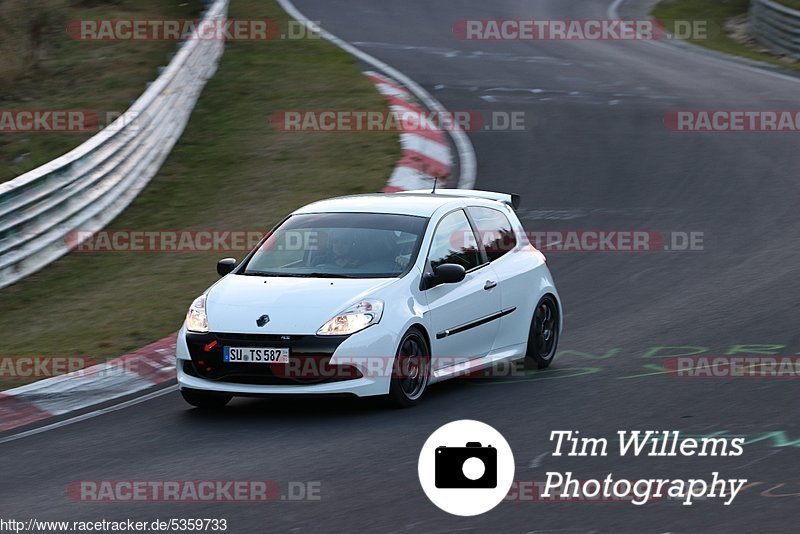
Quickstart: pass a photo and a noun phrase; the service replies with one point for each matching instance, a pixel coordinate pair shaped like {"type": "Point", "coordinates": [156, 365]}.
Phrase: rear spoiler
{"type": "Point", "coordinates": [512, 199]}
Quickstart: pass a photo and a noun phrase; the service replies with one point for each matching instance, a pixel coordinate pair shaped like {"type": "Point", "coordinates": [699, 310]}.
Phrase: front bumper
{"type": "Point", "coordinates": [200, 365]}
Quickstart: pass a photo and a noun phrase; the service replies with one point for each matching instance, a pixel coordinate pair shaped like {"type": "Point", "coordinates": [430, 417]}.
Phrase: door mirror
{"type": "Point", "coordinates": [447, 273]}
{"type": "Point", "coordinates": [225, 266]}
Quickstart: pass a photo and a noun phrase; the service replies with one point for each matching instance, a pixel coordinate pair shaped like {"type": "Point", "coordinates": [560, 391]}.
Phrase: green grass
{"type": "Point", "coordinates": [717, 13]}
{"type": "Point", "coordinates": [64, 73]}
{"type": "Point", "coordinates": [230, 170]}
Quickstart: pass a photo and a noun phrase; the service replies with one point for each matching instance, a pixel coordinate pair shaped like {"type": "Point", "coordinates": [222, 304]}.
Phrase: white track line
{"type": "Point", "coordinates": [89, 415]}
{"type": "Point", "coordinates": [613, 9]}
{"type": "Point", "coordinates": [466, 153]}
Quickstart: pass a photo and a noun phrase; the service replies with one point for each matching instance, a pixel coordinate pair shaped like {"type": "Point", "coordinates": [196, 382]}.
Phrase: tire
{"type": "Point", "coordinates": [411, 370]}
{"type": "Point", "coordinates": [543, 333]}
{"type": "Point", "coordinates": [206, 401]}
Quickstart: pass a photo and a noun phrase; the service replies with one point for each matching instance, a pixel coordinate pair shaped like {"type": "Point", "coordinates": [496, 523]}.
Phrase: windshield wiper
{"type": "Point", "coordinates": [298, 275]}
{"type": "Point", "coordinates": [325, 275]}
{"type": "Point", "coordinates": [260, 273]}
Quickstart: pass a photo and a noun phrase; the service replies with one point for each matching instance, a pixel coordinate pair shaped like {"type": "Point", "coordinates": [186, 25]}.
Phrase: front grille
{"type": "Point", "coordinates": [261, 338]}
{"type": "Point", "coordinates": [309, 359]}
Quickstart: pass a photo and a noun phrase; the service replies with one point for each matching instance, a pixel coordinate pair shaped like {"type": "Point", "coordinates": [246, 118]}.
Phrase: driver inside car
{"type": "Point", "coordinates": [342, 247]}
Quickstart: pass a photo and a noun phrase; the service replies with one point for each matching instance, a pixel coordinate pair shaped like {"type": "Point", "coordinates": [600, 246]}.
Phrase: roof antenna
{"type": "Point", "coordinates": [435, 179]}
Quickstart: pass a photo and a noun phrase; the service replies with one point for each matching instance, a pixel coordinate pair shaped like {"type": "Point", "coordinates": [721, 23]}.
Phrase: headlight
{"type": "Point", "coordinates": [196, 319]}
{"type": "Point", "coordinates": [350, 321]}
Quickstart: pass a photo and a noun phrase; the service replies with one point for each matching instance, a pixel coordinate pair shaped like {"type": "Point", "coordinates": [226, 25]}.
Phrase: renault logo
{"type": "Point", "coordinates": [261, 321]}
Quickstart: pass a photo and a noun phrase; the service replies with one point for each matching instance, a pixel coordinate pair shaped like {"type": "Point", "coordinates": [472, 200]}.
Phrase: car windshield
{"type": "Point", "coordinates": [339, 245]}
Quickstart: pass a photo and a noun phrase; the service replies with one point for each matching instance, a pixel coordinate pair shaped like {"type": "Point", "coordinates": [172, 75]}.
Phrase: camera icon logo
{"type": "Point", "coordinates": [466, 467]}
{"type": "Point", "coordinates": [472, 466]}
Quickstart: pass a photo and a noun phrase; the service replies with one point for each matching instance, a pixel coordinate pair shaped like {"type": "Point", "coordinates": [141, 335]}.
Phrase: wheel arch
{"type": "Point", "coordinates": [551, 293]}
{"type": "Point", "coordinates": [424, 331]}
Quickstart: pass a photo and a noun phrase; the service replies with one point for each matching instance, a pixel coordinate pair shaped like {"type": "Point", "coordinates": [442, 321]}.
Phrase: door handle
{"type": "Point", "coordinates": [489, 285]}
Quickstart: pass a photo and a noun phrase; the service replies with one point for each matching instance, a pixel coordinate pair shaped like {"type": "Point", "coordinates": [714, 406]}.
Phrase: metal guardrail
{"type": "Point", "coordinates": [89, 186]}
{"type": "Point", "coordinates": [776, 26]}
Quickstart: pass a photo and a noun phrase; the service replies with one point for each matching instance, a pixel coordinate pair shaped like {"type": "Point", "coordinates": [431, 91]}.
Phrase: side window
{"type": "Point", "coordinates": [494, 231]}
{"type": "Point", "coordinates": [454, 242]}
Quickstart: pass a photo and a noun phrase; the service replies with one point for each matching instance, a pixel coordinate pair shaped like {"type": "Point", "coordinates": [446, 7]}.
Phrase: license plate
{"type": "Point", "coordinates": [256, 355]}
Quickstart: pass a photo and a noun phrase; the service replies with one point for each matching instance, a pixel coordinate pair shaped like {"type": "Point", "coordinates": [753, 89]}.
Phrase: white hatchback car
{"type": "Point", "coordinates": [380, 294]}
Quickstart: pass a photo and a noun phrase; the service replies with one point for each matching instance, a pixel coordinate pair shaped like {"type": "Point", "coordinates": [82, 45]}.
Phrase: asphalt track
{"type": "Point", "coordinates": [595, 156]}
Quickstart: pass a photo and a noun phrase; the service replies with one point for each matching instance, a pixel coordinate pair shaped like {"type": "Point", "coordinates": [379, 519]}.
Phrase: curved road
{"type": "Point", "coordinates": [595, 156]}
